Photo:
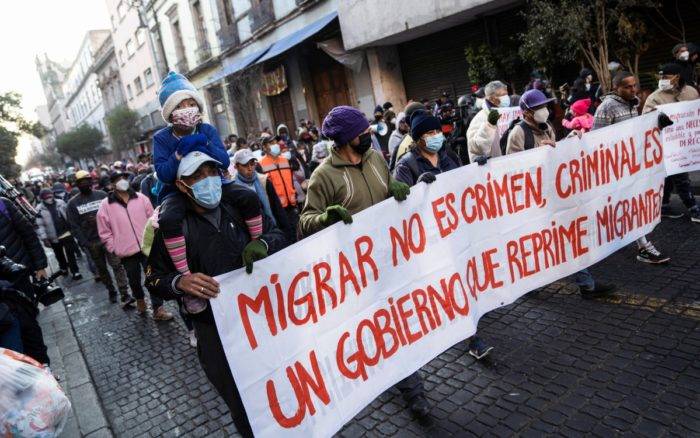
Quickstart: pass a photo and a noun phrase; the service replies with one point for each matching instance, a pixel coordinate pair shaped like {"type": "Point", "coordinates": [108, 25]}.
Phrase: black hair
{"type": "Point", "coordinates": [619, 77]}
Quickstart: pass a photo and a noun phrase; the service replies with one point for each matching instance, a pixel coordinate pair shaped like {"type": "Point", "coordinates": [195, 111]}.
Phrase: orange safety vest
{"type": "Point", "coordinates": [280, 173]}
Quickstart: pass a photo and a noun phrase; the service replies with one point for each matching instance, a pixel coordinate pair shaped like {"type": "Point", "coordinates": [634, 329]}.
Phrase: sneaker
{"type": "Point", "coordinates": [600, 290]}
{"type": "Point", "coordinates": [670, 212]}
{"type": "Point", "coordinates": [141, 306]}
{"type": "Point", "coordinates": [694, 213]}
{"type": "Point", "coordinates": [478, 348]}
{"type": "Point", "coordinates": [77, 276]}
{"type": "Point", "coordinates": [419, 407]}
{"type": "Point", "coordinates": [650, 254]}
{"type": "Point", "coordinates": [192, 339]}
{"type": "Point", "coordinates": [128, 302]}
{"type": "Point", "coordinates": [162, 315]}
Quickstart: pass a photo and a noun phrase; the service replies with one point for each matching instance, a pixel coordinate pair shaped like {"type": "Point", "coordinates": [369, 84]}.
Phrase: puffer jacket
{"type": "Point", "coordinates": [44, 221]}
{"type": "Point", "coordinates": [121, 225]}
{"type": "Point", "coordinates": [482, 137]}
{"type": "Point", "coordinates": [19, 238]}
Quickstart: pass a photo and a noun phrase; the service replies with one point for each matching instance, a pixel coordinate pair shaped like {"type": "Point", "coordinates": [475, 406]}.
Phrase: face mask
{"type": "Point", "coordinates": [684, 55]}
{"type": "Point", "coordinates": [365, 143]}
{"type": "Point", "coordinates": [207, 192]}
{"type": "Point", "coordinates": [541, 115]}
{"type": "Point", "coordinates": [434, 143]}
{"type": "Point", "coordinates": [186, 117]}
{"type": "Point", "coordinates": [588, 87]}
{"type": "Point", "coordinates": [665, 84]}
{"type": "Point", "coordinates": [122, 185]}
{"type": "Point", "coordinates": [287, 155]}
{"type": "Point", "coordinates": [504, 101]}
{"type": "Point", "coordinates": [275, 150]}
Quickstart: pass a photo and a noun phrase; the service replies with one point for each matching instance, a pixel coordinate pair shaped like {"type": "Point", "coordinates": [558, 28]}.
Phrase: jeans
{"type": "Point", "coordinates": [213, 360]}
{"type": "Point", "coordinates": [680, 182]}
{"type": "Point", "coordinates": [134, 265]}
{"type": "Point", "coordinates": [584, 279]}
{"type": "Point", "coordinates": [101, 257]}
{"type": "Point", "coordinates": [293, 221]}
{"type": "Point", "coordinates": [65, 254]}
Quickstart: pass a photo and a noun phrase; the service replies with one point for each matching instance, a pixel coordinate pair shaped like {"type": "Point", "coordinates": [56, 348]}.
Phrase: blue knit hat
{"type": "Point", "coordinates": [422, 122]}
{"type": "Point", "coordinates": [344, 123]}
{"type": "Point", "coordinates": [174, 89]}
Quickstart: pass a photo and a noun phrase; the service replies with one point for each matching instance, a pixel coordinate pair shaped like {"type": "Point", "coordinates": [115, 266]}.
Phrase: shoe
{"type": "Point", "coordinates": [650, 254]}
{"type": "Point", "coordinates": [670, 212]}
{"type": "Point", "coordinates": [128, 302]}
{"type": "Point", "coordinates": [112, 298]}
{"type": "Point", "coordinates": [694, 213]}
{"type": "Point", "coordinates": [77, 276]}
{"type": "Point", "coordinates": [478, 348]}
{"type": "Point", "coordinates": [162, 315]}
{"type": "Point", "coordinates": [419, 407]}
{"type": "Point", "coordinates": [192, 339]}
{"type": "Point", "coordinates": [600, 290]}
{"type": "Point", "coordinates": [141, 306]}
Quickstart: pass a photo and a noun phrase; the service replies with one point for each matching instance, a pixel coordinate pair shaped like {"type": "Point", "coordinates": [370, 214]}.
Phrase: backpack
{"type": "Point", "coordinates": [529, 136]}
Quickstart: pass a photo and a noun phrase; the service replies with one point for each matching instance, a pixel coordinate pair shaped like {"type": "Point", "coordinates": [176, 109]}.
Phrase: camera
{"type": "Point", "coordinates": [44, 291]}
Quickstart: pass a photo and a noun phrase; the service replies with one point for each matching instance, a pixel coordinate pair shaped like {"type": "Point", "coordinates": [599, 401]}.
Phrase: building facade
{"type": "Point", "coordinates": [52, 75]}
{"type": "Point", "coordinates": [109, 82]}
{"type": "Point", "coordinates": [83, 98]}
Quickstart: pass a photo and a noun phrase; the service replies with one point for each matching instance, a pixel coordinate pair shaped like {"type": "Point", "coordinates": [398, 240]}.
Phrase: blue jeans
{"type": "Point", "coordinates": [584, 279]}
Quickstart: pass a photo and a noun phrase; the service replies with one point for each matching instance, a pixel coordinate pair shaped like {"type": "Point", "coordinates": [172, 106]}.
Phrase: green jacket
{"type": "Point", "coordinates": [339, 182]}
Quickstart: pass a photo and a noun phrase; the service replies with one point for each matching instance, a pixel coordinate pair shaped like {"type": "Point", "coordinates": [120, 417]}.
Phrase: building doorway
{"type": "Point", "coordinates": [329, 82]}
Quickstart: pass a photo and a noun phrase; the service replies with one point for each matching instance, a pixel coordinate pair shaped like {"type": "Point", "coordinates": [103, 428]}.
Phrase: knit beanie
{"type": "Point", "coordinates": [423, 122]}
{"type": "Point", "coordinates": [580, 107]}
{"type": "Point", "coordinates": [344, 123]}
{"type": "Point", "coordinates": [45, 193]}
{"type": "Point", "coordinates": [174, 89]}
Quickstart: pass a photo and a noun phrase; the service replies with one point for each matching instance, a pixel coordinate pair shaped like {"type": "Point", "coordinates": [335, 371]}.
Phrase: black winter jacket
{"type": "Point", "coordinates": [18, 237]}
{"type": "Point", "coordinates": [209, 251]}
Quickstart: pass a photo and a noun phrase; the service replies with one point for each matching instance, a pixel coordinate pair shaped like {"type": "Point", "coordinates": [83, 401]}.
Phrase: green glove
{"type": "Point", "coordinates": [493, 116]}
{"type": "Point", "coordinates": [399, 190]}
{"type": "Point", "coordinates": [335, 213]}
{"type": "Point", "coordinates": [254, 250]}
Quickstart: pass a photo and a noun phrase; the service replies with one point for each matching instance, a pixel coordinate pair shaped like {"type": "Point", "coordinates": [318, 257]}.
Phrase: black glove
{"type": "Point", "coordinates": [481, 160]}
{"type": "Point", "coordinates": [426, 177]}
{"type": "Point", "coordinates": [568, 116]}
{"type": "Point", "coordinates": [663, 121]}
{"type": "Point", "coordinates": [493, 117]}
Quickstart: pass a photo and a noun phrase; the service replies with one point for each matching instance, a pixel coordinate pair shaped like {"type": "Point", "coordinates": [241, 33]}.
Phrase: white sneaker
{"type": "Point", "coordinates": [192, 338]}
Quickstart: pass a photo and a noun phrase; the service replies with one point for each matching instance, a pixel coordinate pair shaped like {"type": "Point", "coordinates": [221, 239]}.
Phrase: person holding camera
{"type": "Point", "coordinates": [22, 246]}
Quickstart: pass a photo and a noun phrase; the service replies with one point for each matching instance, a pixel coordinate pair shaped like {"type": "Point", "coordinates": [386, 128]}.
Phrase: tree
{"type": "Point", "coordinates": [567, 30]}
{"type": "Point", "coordinates": [12, 125]}
{"type": "Point", "coordinates": [122, 124]}
{"type": "Point", "coordinates": [82, 142]}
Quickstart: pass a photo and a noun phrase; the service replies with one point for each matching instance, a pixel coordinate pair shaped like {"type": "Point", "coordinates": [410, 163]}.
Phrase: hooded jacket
{"type": "Point", "coordinates": [614, 109]}
{"type": "Point", "coordinates": [46, 228]}
{"type": "Point", "coordinates": [82, 213]}
{"type": "Point", "coordinates": [340, 182]}
{"type": "Point", "coordinates": [121, 225]}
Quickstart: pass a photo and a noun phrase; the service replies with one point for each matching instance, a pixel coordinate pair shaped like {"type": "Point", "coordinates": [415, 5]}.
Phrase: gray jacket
{"type": "Point", "coordinates": [44, 221]}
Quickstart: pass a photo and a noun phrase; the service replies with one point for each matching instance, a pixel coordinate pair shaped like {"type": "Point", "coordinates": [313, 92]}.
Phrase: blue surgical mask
{"type": "Point", "coordinates": [287, 155]}
{"type": "Point", "coordinates": [207, 192]}
{"type": "Point", "coordinates": [434, 143]}
{"type": "Point", "coordinates": [274, 149]}
{"type": "Point", "coordinates": [504, 101]}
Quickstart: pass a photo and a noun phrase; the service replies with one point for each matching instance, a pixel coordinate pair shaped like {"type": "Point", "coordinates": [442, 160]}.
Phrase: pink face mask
{"type": "Point", "coordinates": [186, 117]}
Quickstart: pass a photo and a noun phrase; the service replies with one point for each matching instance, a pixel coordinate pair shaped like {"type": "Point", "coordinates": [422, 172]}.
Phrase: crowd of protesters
{"type": "Point", "coordinates": [203, 205]}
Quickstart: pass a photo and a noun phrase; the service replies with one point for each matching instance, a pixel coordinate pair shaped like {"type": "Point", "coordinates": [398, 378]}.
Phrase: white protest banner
{"type": "Point", "coordinates": [682, 139]}
{"type": "Point", "coordinates": [507, 116]}
{"type": "Point", "coordinates": [323, 327]}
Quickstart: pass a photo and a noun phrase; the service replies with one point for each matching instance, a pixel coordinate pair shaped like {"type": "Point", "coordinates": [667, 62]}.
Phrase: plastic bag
{"type": "Point", "coordinates": [32, 404]}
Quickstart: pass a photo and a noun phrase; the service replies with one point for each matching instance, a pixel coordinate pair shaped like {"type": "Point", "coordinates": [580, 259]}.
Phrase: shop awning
{"type": "Point", "coordinates": [297, 37]}
{"type": "Point", "coordinates": [233, 65]}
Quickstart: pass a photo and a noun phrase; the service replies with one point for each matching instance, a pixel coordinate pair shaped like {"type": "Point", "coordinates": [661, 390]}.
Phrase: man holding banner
{"type": "Point", "coordinates": [618, 106]}
{"type": "Point", "coordinates": [217, 243]}
{"type": "Point", "coordinates": [354, 178]}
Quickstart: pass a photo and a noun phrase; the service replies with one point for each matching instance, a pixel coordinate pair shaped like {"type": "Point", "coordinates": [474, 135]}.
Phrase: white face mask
{"type": "Point", "coordinates": [684, 55]}
{"type": "Point", "coordinates": [588, 87]}
{"type": "Point", "coordinates": [541, 115]}
{"type": "Point", "coordinates": [504, 101]}
{"type": "Point", "coordinates": [122, 185]}
{"type": "Point", "coordinates": [665, 84]}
